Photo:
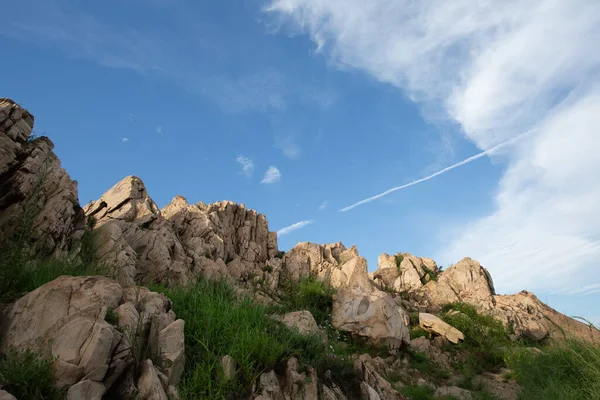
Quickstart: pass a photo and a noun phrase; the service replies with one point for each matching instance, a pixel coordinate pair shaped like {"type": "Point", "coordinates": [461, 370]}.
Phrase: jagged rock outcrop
{"type": "Point", "coordinates": [404, 272]}
{"type": "Point", "coordinates": [181, 242]}
{"type": "Point", "coordinates": [36, 194]}
{"type": "Point", "coordinates": [359, 306]}
{"type": "Point", "coordinates": [71, 320]}
{"type": "Point", "coordinates": [373, 385]}
{"type": "Point", "coordinates": [466, 281]}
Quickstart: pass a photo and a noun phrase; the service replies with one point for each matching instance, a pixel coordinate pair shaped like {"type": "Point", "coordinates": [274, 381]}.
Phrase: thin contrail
{"type": "Point", "coordinates": [463, 162]}
{"type": "Point", "coordinates": [293, 227]}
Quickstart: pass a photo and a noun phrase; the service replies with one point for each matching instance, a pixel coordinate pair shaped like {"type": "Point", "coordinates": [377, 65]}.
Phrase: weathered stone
{"type": "Point", "coordinates": [86, 390]}
{"type": "Point", "coordinates": [4, 395]}
{"type": "Point", "coordinates": [229, 366]}
{"type": "Point", "coordinates": [149, 385]}
{"type": "Point", "coordinates": [172, 351]}
{"type": "Point", "coordinates": [373, 315]}
{"type": "Point", "coordinates": [301, 321]}
{"type": "Point", "coordinates": [435, 325]}
{"type": "Point", "coordinates": [454, 392]}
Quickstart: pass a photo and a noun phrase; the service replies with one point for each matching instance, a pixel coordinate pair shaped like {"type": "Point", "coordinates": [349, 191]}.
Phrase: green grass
{"type": "Point", "coordinates": [568, 371]}
{"type": "Point", "coordinates": [308, 294]}
{"type": "Point", "coordinates": [27, 376]}
{"type": "Point", "coordinates": [20, 277]}
{"type": "Point", "coordinates": [417, 331]}
{"type": "Point", "coordinates": [219, 322]}
{"type": "Point", "coordinates": [486, 339]}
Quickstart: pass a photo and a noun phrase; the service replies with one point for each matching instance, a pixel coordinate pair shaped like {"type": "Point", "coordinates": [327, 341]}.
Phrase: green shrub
{"type": "Point", "coordinates": [26, 375]}
{"type": "Point", "coordinates": [399, 258]}
{"type": "Point", "coordinates": [309, 294]}
{"type": "Point", "coordinates": [111, 317]}
{"type": "Point", "coordinates": [567, 371]}
{"type": "Point", "coordinates": [218, 322]}
{"type": "Point", "coordinates": [417, 331]}
{"type": "Point", "coordinates": [485, 337]}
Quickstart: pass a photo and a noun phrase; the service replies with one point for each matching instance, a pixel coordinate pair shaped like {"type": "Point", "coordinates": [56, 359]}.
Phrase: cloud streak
{"type": "Point", "coordinates": [293, 227]}
{"type": "Point", "coordinates": [247, 165]}
{"type": "Point", "coordinates": [272, 176]}
{"type": "Point", "coordinates": [440, 172]}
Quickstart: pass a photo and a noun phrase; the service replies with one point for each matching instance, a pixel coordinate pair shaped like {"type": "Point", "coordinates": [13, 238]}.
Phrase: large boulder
{"type": "Point", "coordinates": [72, 320]}
{"type": "Point", "coordinates": [36, 194]}
{"type": "Point", "coordinates": [433, 324]}
{"type": "Point", "coordinates": [466, 281]}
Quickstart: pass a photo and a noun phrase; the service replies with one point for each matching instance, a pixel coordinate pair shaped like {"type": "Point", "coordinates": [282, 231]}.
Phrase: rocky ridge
{"type": "Point", "coordinates": [139, 244]}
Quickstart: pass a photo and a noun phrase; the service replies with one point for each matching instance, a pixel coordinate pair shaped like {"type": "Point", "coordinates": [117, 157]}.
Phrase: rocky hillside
{"type": "Point", "coordinates": [112, 337]}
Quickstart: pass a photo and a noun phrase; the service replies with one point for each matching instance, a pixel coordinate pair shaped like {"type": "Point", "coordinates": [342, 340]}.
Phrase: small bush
{"type": "Point", "coordinates": [111, 317]}
{"type": "Point", "coordinates": [567, 371]}
{"type": "Point", "coordinates": [399, 258]}
{"type": "Point", "coordinates": [279, 254]}
{"type": "Point", "coordinates": [485, 337]}
{"type": "Point", "coordinates": [309, 294]}
{"type": "Point", "coordinates": [28, 376]}
{"type": "Point", "coordinates": [416, 332]}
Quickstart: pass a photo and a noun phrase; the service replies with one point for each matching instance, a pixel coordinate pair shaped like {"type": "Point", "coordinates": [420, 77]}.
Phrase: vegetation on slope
{"type": "Point", "coordinates": [218, 322]}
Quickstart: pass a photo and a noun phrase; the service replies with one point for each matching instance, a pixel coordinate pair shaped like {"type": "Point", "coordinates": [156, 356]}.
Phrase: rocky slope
{"type": "Point", "coordinates": [139, 244]}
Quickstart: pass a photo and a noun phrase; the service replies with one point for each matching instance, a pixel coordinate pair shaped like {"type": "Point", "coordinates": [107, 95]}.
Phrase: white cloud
{"type": "Point", "coordinates": [293, 227]}
{"type": "Point", "coordinates": [288, 146]}
{"type": "Point", "coordinates": [124, 139]}
{"type": "Point", "coordinates": [272, 175]}
{"type": "Point", "coordinates": [159, 130]}
{"type": "Point", "coordinates": [247, 165]}
{"type": "Point", "coordinates": [584, 290]}
{"type": "Point", "coordinates": [497, 69]}
{"type": "Point", "coordinates": [323, 205]}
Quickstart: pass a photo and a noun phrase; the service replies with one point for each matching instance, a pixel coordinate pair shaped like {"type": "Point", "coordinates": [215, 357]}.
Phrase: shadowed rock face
{"type": "Point", "coordinates": [34, 190]}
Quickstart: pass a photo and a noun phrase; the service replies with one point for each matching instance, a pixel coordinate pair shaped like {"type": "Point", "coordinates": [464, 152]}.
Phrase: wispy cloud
{"type": "Point", "coordinates": [131, 119]}
{"type": "Point", "coordinates": [288, 146]}
{"type": "Point", "coordinates": [293, 227]}
{"type": "Point", "coordinates": [247, 165]}
{"type": "Point", "coordinates": [124, 139]}
{"type": "Point", "coordinates": [495, 69]}
{"type": "Point", "coordinates": [323, 205]}
{"type": "Point", "coordinates": [440, 172]}
{"type": "Point", "coordinates": [159, 130]}
{"type": "Point", "coordinates": [272, 175]}
{"type": "Point", "coordinates": [584, 290]}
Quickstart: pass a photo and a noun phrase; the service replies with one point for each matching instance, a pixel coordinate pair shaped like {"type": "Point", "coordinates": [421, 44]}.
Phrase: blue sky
{"type": "Point", "coordinates": [303, 108]}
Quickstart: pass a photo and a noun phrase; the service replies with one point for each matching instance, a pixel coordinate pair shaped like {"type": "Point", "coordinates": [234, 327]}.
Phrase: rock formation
{"type": "Point", "coordinates": [36, 194]}
{"type": "Point", "coordinates": [95, 329]}
{"type": "Point", "coordinates": [176, 245]}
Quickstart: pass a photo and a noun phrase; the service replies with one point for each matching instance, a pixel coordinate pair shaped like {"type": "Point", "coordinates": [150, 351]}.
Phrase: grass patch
{"type": "Point", "coordinates": [417, 331]}
{"type": "Point", "coordinates": [29, 377]}
{"type": "Point", "coordinates": [486, 339]}
{"type": "Point", "coordinates": [308, 294]}
{"type": "Point", "coordinates": [219, 322]}
{"type": "Point", "coordinates": [570, 371]}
